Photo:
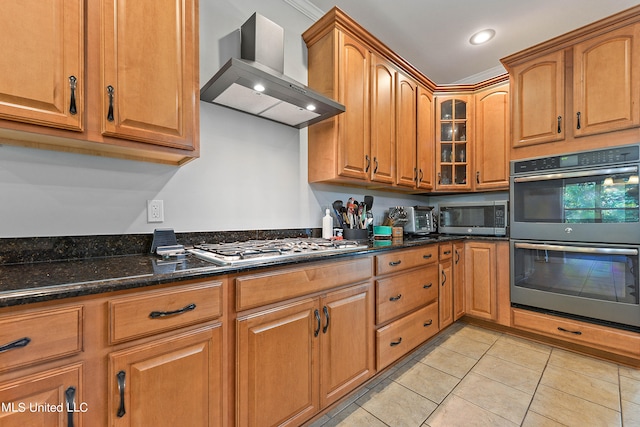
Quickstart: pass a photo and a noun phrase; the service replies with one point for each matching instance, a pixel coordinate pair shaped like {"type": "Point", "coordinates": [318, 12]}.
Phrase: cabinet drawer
{"type": "Point", "coordinates": [260, 289]}
{"type": "Point", "coordinates": [446, 251]}
{"type": "Point", "coordinates": [401, 293]}
{"type": "Point", "coordinates": [152, 312]}
{"type": "Point", "coordinates": [398, 338]}
{"type": "Point", "coordinates": [607, 339]}
{"type": "Point", "coordinates": [39, 336]}
{"type": "Point", "coordinates": [402, 260]}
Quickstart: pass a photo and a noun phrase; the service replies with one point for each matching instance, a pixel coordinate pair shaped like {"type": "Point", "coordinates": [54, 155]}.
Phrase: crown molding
{"type": "Point", "coordinates": [307, 8]}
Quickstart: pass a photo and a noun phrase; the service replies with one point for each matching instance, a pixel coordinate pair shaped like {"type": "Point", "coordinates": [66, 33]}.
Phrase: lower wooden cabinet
{"type": "Point", "coordinates": [458, 281]}
{"type": "Point", "coordinates": [168, 382]}
{"type": "Point", "coordinates": [445, 299]}
{"type": "Point", "coordinates": [294, 359]}
{"type": "Point", "coordinates": [487, 280]}
{"type": "Point", "coordinates": [51, 398]}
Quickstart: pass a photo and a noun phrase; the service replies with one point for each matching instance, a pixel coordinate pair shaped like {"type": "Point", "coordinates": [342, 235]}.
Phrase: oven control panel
{"type": "Point", "coordinates": [610, 156]}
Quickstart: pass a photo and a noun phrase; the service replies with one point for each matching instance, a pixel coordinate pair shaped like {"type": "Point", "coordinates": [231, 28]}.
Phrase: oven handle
{"type": "Point", "coordinates": [581, 249]}
{"type": "Point", "coordinates": [594, 172]}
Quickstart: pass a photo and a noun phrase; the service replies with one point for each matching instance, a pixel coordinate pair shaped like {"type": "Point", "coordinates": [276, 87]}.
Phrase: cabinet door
{"type": "Point", "coordinates": [277, 366]}
{"type": "Point", "coordinates": [347, 346]}
{"type": "Point", "coordinates": [445, 298]}
{"type": "Point", "coordinates": [354, 61]}
{"type": "Point", "coordinates": [383, 127]}
{"type": "Point", "coordinates": [480, 268]}
{"type": "Point", "coordinates": [493, 132]}
{"type": "Point", "coordinates": [538, 100]}
{"type": "Point", "coordinates": [150, 72]}
{"type": "Point", "coordinates": [454, 142]}
{"type": "Point", "coordinates": [42, 62]}
{"type": "Point", "coordinates": [406, 115]}
{"type": "Point", "coordinates": [170, 382]}
{"type": "Point", "coordinates": [607, 82]}
{"type": "Point", "coordinates": [458, 281]}
{"type": "Point", "coordinates": [425, 139]}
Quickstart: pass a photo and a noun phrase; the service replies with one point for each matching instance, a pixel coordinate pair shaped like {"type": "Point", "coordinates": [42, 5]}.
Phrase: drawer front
{"type": "Point", "coordinates": [403, 260]}
{"type": "Point", "coordinates": [398, 338]}
{"type": "Point", "coordinates": [38, 336]}
{"type": "Point", "coordinates": [607, 339]}
{"type": "Point", "coordinates": [401, 293]}
{"type": "Point", "coordinates": [152, 312]}
{"type": "Point", "coordinates": [260, 289]}
{"type": "Point", "coordinates": [446, 251]}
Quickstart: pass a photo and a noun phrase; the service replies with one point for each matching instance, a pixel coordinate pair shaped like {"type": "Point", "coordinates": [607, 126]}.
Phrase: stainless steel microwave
{"type": "Point", "coordinates": [474, 218]}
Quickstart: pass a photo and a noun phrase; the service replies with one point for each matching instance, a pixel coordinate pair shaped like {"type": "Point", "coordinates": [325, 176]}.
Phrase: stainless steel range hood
{"type": "Point", "coordinates": [255, 83]}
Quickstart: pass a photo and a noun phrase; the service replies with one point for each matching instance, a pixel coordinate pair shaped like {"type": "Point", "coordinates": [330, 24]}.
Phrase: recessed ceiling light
{"type": "Point", "coordinates": [258, 87]}
{"type": "Point", "coordinates": [311, 107]}
{"type": "Point", "coordinates": [482, 36]}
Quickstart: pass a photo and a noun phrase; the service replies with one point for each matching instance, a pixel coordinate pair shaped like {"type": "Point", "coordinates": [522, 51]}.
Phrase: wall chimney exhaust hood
{"type": "Point", "coordinates": [255, 83]}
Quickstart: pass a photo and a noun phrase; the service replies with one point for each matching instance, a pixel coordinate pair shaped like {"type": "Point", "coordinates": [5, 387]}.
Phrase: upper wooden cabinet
{"type": "Point", "coordinates": [111, 78]}
{"type": "Point", "coordinates": [454, 139]}
{"type": "Point", "coordinates": [492, 136]}
{"type": "Point", "coordinates": [385, 138]}
{"type": "Point", "coordinates": [578, 91]}
{"type": "Point", "coordinates": [42, 69]}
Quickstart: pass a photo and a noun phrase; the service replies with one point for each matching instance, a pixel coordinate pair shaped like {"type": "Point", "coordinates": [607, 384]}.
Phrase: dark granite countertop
{"type": "Point", "coordinates": [24, 283]}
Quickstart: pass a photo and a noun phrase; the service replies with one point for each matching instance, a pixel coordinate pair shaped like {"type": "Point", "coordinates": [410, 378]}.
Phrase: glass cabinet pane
{"type": "Point", "coordinates": [446, 132]}
{"type": "Point", "coordinates": [446, 110]}
{"type": "Point", "coordinates": [461, 110]}
{"type": "Point", "coordinates": [460, 131]}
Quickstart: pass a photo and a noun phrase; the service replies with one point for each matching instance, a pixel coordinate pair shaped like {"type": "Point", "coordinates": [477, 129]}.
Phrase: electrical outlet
{"type": "Point", "coordinates": [155, 211]}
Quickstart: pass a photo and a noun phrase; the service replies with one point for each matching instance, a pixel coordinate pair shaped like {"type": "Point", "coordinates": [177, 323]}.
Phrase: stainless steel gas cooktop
{"type": "Point", "coordinates": [256, 251]}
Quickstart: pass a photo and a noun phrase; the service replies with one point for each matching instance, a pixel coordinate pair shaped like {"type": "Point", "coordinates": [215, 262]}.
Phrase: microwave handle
{"type": "Point", "coordinates": [581, 249]}
{"type": "Point", "coordinates": [595, 172]}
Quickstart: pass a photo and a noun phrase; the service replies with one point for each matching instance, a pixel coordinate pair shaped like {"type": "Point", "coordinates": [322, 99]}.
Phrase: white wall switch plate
{"type": "Point", "coordinates": [155, 211]}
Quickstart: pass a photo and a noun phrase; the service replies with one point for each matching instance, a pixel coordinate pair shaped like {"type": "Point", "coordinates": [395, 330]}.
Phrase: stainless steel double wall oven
{"type": "Point", "coordinates": [575, 235]}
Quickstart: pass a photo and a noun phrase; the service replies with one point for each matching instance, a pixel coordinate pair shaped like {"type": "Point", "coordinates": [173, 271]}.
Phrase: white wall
{"type": "Point", "coordinates": [252, 173]}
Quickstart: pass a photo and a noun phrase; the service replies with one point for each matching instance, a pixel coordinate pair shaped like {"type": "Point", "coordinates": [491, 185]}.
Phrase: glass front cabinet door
{"type": "Point", "coordinates": [454, 137]}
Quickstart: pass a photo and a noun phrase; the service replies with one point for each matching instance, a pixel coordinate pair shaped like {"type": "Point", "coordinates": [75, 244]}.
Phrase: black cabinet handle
{"type": "Point", "coordinates": [368, 159]}
{"type": "Point", "coordinates": [395, 263]}
{"type": "Point", "coordinates": [427, 256]}
{"type": "Point", "coordinates": [568, 331]}
{"type": "Point", "coordinates": [70, 395]}
{"type": "Point", "coordinates": [326, 314]}
{"type": "Point", "coordinates": [318, 322]}
{"type": "Point", "coordinates": [22, 342]}
{"type": "Point", "coordinates": [120, 376]}
{"type": "Point", "coordinates": [396, 298]}
{"type": "Point", "coordinates": [72, 102]}
{"type": "Point", "coordinates": [477, 177]}
{"type": "Point", "coordinates": [375, 162]}
{"type": "Point", "coordinates": [457, 256]}
{"type": "Point", "coordinates": [110, 91]}
{"type": "Point", "coordinates": [421, 176]}
{"type": "Point", "coordinates": [446, 252]}
{"type": "Point", "coordinates": [578, 117]}
{"type": "Point", "coordinates": [559, 124]}
{"type": "Point", "coordinates": [157, 314]}
{"type": "Point", "coordinates": [439, 180]}
{"type": "Point", "coordinates": [444, 277]}
{"type": "Point", "coordinates": [427, 286]}
{"type": "Point", "coordinates": [428, 323]}
{"type": "Point", "coordinates": [395, 343]}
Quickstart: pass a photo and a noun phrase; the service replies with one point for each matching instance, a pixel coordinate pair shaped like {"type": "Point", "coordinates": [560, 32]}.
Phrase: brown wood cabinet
{"type": "Point", "coordinates": [425, 139]}
{"type": "Point", "coordinates": [383, 121]}
{"type": "Point", "coordinates": [459, 285]}
{"type": "Point", "coordinates": [295, 359]}
{"type": "Point", "coordinates": [446, 286]}
{"type": "Point", "coordinates": [454, 142]}
{"type": "Point", "coordinates": [568, 92]}
{"type": "Point", "coordinates": [492, 139]}
{"type": "Point", "coordinates": [487, 281]}
{"type": "Point", "coordinates": [78, 81]}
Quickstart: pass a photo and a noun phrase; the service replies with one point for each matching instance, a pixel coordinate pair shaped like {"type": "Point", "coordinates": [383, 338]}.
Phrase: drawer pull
{"type": "Point", "coordinates": [444, 277]}
{"type": "Point", "coordinates": [72, 102]}
{"type": "Point", "coordinates": [447, 252]}
{"type": "Point", "coordinates": [121, 376]}
{"type": "Point", "coordinates": [394, 263]}
{"type": "Point", "coordinates": [427, 256]}
{"type": "Point", "coordinates": [428, 323]}
{"type": "Point", "coordinates": [427, 286]}
{"type": "Point", "coordinates": [396, 298]}
{"type": "Point", "coordinates": [318, 322]}
{"type": "Point", "coordinates": [22, 342]}
{"type": "Point", "coordinates": [158, 314]}
{"type": "Point", "coordinates": [395, 343]}
{"type": "Point", "coordinates": [568, 331]}
{"type": "Point", "coordinates": [70, 395]}
{"type": "Point", "coordinates": [326, 314]}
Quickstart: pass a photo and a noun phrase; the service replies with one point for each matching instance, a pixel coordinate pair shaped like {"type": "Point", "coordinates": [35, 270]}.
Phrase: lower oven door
{"type": "Point", "coordinates": [598, 282]}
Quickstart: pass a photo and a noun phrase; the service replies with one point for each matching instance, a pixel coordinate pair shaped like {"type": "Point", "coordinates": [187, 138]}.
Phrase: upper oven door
{"type": "Point", "coordinates": [590, 205]}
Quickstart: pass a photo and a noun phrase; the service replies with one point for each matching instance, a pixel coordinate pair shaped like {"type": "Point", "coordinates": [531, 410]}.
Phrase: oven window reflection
{"type": "Point", "coordinates": [613, 199]}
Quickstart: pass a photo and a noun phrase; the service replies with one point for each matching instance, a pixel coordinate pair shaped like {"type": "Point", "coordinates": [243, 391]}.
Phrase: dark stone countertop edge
{"type": "Point", "coordinates": [59, 291]}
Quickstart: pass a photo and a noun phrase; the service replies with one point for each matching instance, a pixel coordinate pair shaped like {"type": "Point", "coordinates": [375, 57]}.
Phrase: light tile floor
{"type": "Point", "coordinates": [470, 376]}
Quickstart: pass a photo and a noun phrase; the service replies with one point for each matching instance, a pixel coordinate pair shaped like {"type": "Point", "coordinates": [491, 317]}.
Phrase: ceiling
{"type": "Point", "coordinates": [433, 35]}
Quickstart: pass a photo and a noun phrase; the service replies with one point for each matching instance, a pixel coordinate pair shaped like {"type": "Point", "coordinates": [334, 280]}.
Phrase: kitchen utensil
{"type": "Point", "coordinates": [337, 211]}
